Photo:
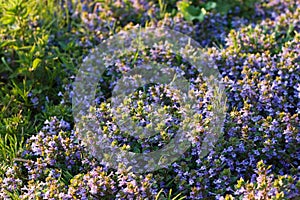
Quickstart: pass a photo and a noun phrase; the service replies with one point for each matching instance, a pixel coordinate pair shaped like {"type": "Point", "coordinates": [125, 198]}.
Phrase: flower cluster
{"type": "Point", "coordinates": [55, 166]}
{"type": "Point", "coordinates": [266, 186]}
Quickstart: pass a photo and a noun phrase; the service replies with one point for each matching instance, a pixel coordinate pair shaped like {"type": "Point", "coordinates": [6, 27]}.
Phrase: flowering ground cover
{"type": "Point", "coordinates": [255, 46]}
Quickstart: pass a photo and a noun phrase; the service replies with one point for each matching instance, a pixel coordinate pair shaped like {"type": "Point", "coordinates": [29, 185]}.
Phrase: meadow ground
{"type": "Point", "coordinates": [255, 46]}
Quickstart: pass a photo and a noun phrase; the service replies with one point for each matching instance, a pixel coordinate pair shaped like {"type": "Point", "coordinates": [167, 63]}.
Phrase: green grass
{"type": "Point", "coordinates": [31, 67]}
{"type": "Point", "coordinates": [161, 195]}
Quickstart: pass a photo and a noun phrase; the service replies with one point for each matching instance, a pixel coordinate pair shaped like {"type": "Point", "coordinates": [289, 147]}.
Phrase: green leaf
{"type": "Point", "coordinates": [210, 5]}
{"type": "Point", "coordinates": [35, 63]}
{"type": "Point", "coordinates": [8, 20]}
{"type": "Point", "coordinates": [191, 12]}
{"type": "Point", "coordinates": [32, 49]}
